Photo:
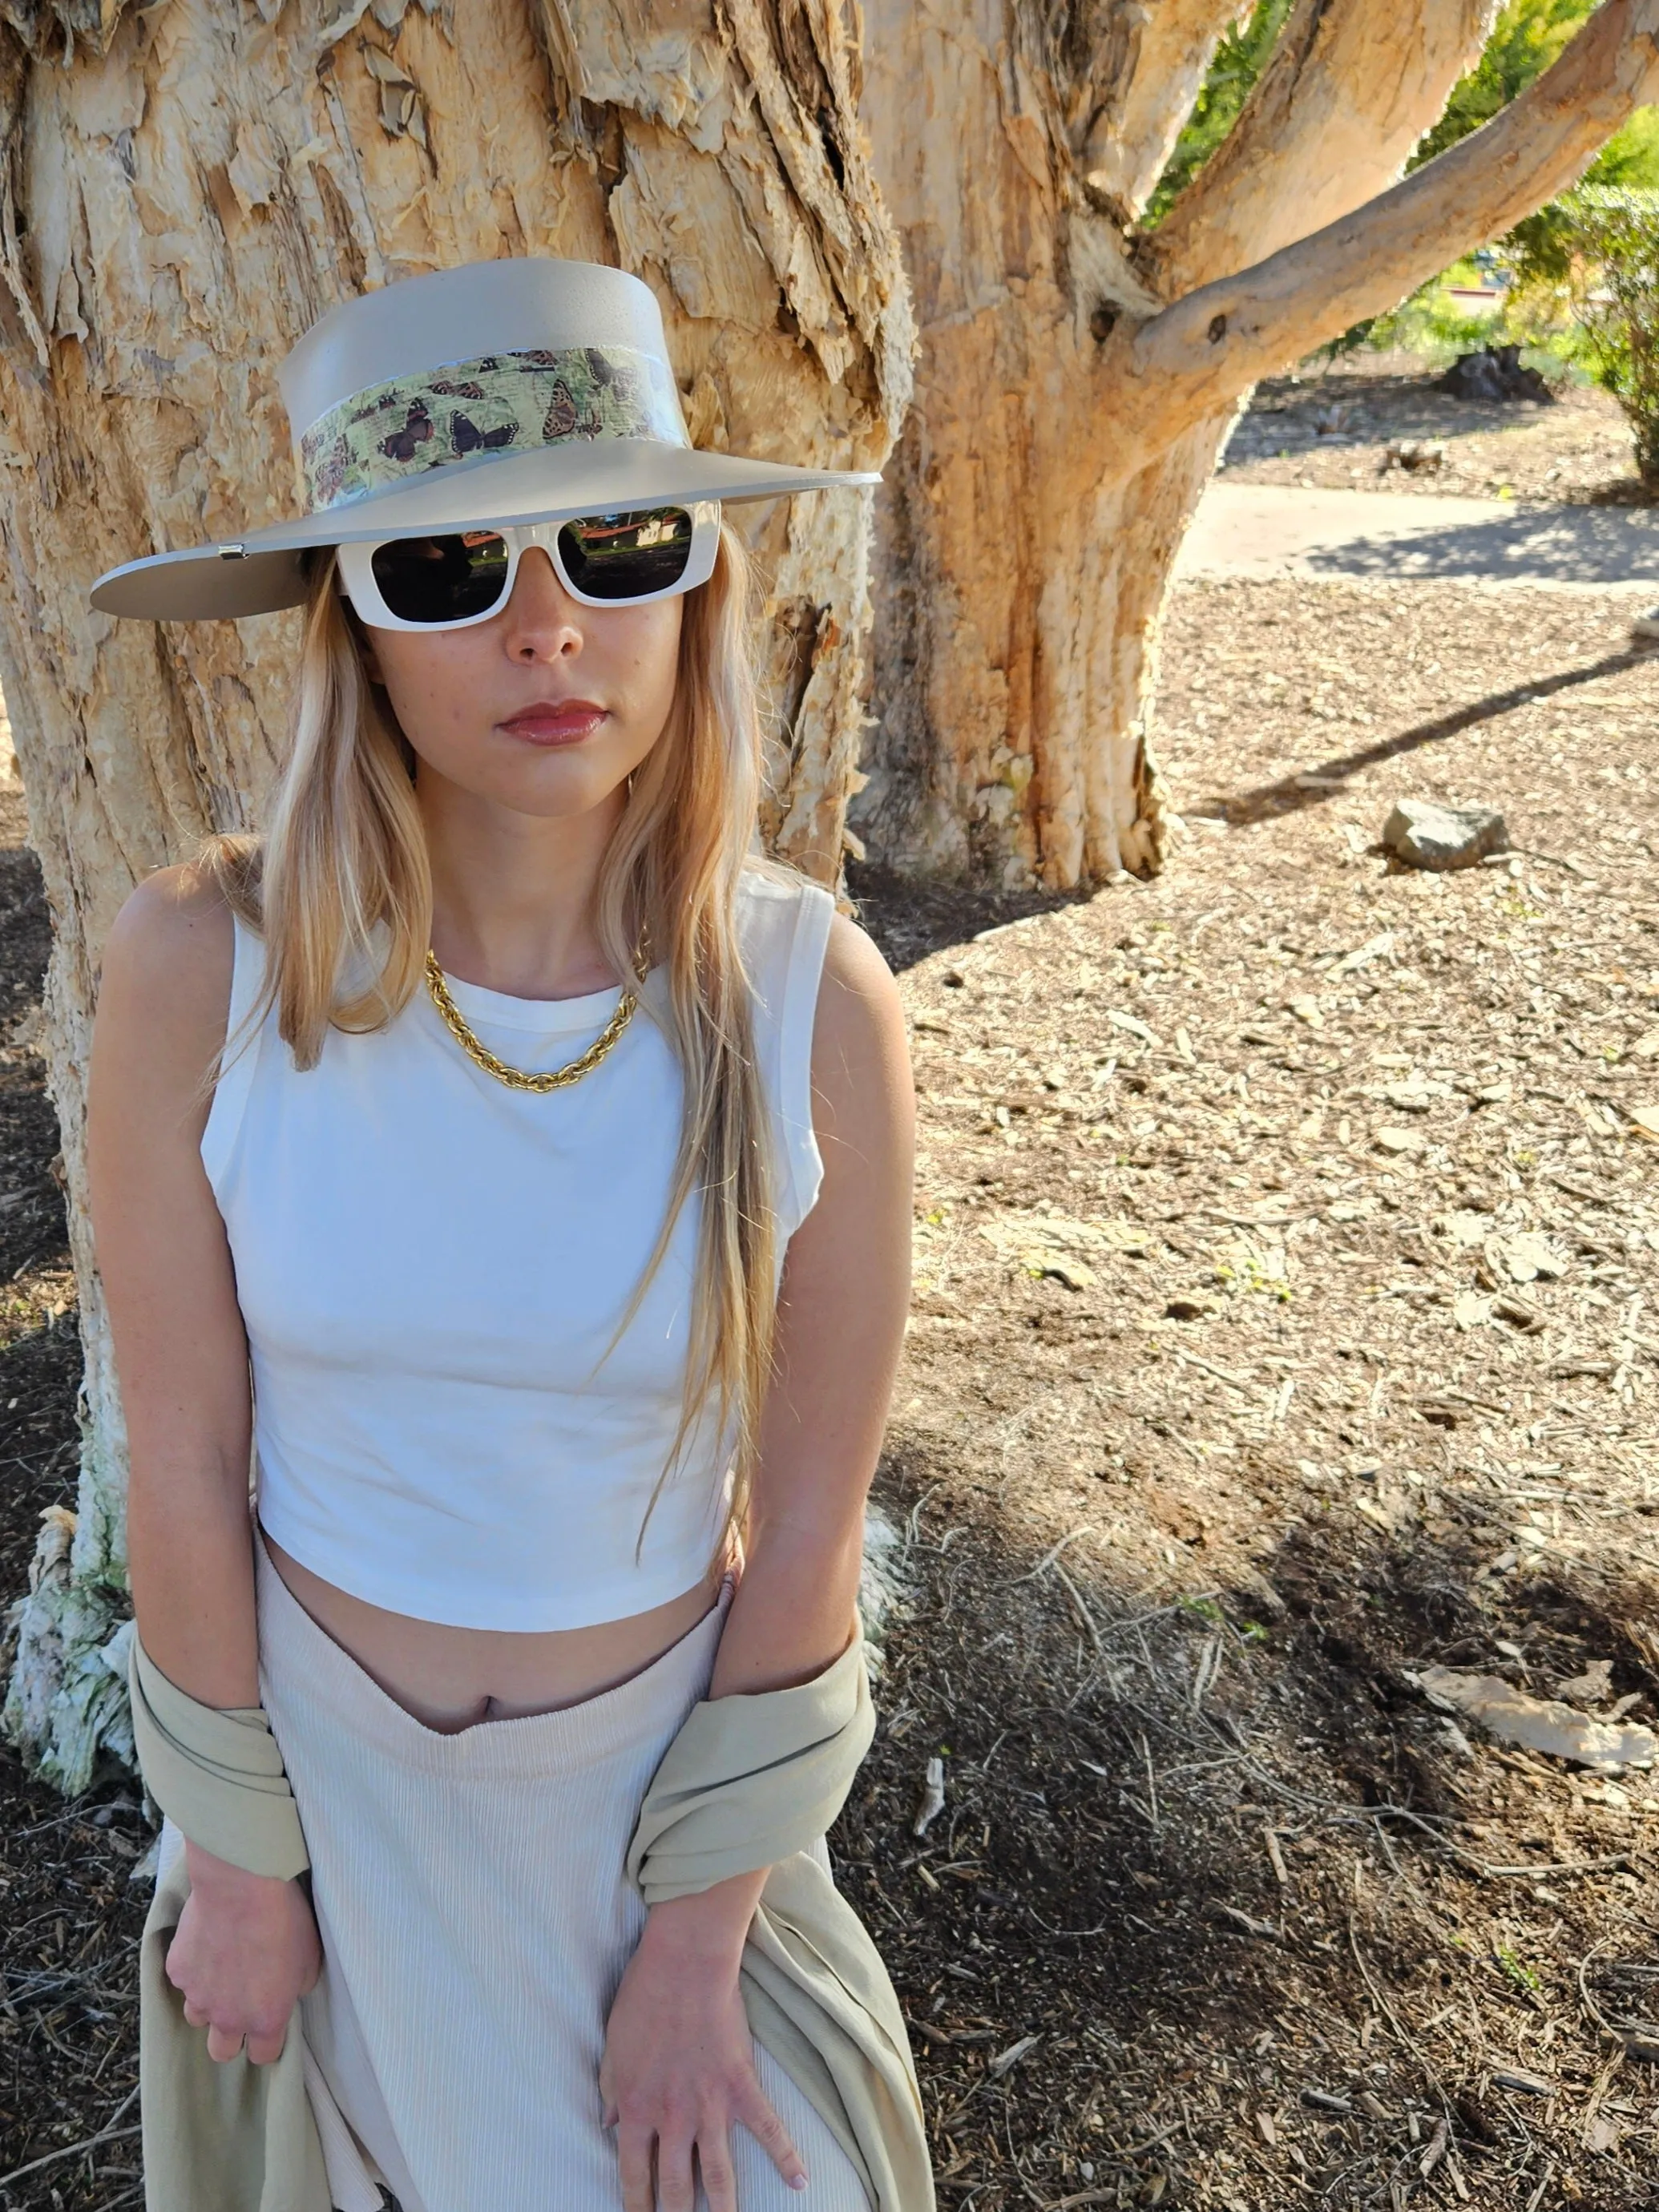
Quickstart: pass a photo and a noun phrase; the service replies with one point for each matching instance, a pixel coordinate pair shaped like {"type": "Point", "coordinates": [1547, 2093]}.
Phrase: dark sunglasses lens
{"type": "Point", "coordinates": [627, 557]}
{"type": "Point", "coordinates": [441, 579]}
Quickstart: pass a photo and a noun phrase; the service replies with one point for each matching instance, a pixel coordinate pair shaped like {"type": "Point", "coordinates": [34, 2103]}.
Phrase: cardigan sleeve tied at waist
{"type": "Point", "coordinates": [753, 1781]}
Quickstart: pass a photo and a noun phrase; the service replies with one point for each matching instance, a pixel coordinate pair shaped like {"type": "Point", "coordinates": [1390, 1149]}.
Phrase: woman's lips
{"type": "Point", "coordinates": [565, 722]}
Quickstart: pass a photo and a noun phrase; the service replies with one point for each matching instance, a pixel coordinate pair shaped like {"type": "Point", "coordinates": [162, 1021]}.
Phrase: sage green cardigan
{"type": "Point", "coordinates": [749, 1782]}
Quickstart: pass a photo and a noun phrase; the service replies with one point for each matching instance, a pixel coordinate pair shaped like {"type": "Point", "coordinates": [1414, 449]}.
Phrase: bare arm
{"type": "Point", "coordinates": [246, 1945]}
{"type": "Point", "coordinates": [179, 1347]}
{"type": "Point", "coordinates": [840, 1329]}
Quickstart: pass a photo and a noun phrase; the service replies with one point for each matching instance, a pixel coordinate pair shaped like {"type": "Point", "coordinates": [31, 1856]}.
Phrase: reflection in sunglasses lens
{"type": "Point", "coordinates": [627, 557]}
{"type": "Point", "coordinates": [441, 579]}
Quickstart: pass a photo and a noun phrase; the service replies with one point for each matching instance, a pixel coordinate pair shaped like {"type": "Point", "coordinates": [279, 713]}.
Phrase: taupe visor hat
{"type": "Point", "coordinates": [517, 391]}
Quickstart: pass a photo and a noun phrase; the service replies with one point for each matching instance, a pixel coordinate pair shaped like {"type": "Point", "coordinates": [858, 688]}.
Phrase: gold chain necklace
{"type": "Point", "coordinates": [517, 1078]}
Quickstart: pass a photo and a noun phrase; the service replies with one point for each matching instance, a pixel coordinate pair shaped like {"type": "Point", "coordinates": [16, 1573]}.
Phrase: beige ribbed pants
{"type": "Point", "coordinates": [476, 1920]}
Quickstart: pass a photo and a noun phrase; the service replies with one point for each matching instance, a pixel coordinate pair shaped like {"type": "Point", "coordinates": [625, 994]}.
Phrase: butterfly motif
{"type": "Point", "coordinates": [402, 443]}
{"type": "Point", "coordinates": [448, 391]}
{"type": "Point", "coordinates": [599, 366]}
{"type": "Point", "coordinates": [327, 469]}
{"type": "Point", "coordinates": [562, 418]}
{"type": "Point", "coordinates": [467, 438]}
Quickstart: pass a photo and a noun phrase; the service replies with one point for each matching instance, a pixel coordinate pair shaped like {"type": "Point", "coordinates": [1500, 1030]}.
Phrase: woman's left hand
{"type": "Point", "coordinates": [678, 2066]}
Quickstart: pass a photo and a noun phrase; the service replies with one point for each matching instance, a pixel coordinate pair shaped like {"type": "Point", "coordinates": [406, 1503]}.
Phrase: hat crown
{"type": "Point", "coordinates": [472, 365]}
{"type": "Point", "coordinates": [422, 325]}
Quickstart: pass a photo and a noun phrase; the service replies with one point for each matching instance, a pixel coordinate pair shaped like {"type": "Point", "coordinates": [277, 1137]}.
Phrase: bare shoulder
{"type": "Point", "coordinates": [860, 1054]}
{"type": "Point", "coordinates": [167, 967]}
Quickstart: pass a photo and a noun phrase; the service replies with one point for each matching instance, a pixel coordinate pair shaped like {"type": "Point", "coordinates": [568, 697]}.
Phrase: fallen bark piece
{"type": "Point", "coordinates": [1399, 1141]}
{"type": "Point", "coordinates": [931, 1802]}
{"type": "Point", "coordinates": [1247, 1922]}
{"type": "Point", "coordinates": [1537, 1723]}
{"type": "Point", "coordinates": [1466, 1229]}
{"type": "Point", "coordinates": [1517, 2077]}
{"type": "Point", "coordinates": [1525, 1257]}
{"type": "Point", "coordinates": [1436, 2147]}
{"type": "Point", "coordinates": [1593, 1687]}
{"type": "Point", "coordinates": [1005, 2060]}
{"type": "Point", "coordinates": [1427, 835]}
{"type": "Point", "coordinates": [1374, 948]}
{"type": "Point", "coordinates": [1470, 1310]}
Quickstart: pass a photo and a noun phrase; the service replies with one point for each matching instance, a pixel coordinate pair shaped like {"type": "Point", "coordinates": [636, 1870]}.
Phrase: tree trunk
{"type": "Point", "coordinates": [1076, 379]}
{"type": "Point", "coordinates": [186, 189]}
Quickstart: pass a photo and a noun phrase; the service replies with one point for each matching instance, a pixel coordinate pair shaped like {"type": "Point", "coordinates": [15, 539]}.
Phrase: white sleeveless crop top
{"type": "Point", "coordinates": [430, 1264]}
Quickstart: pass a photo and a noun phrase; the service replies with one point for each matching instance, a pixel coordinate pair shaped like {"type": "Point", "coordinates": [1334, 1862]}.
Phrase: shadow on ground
{"type": "Point", "coordinates": [1213, 1912]}
{"type": "Point", "coordinates": [909, 921]}
{"type": "Point", "coordinates": [1315, 785]}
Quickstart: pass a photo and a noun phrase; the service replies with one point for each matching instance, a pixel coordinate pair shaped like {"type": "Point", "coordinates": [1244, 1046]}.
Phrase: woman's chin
{"type": "Point", "coordinates": [553, 786]}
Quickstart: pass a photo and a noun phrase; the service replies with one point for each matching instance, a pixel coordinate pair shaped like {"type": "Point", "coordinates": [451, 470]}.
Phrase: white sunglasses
{"type": "Point", "coordinates": [450, 580]}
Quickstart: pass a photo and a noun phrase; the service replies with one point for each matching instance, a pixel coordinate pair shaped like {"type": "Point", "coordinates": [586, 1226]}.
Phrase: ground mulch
{"type": "Point", "coordinates": [69, 2018]}
{"type": "Point", "coordinates": [1226, 1411]}
{"type": "Point", "coordinates": [1228, 1406]}
{"type": "Point", "coordinates": [1376, 422]}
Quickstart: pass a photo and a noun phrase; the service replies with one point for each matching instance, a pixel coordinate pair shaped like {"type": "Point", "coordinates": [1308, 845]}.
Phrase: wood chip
{"type": "Point", "coordinates": [1244, 1920]}
{"type": "Point", "coordinates": [1517, 2077]}
{"type": "Point", "coordinates": [1397, 1140]}
{"type": "Point", "coordinates": [1005, 2060]}
{"type": "Point", "coordinates": [930, 1803]}
{"type": "Point", "coordinates": [1436, 2149]}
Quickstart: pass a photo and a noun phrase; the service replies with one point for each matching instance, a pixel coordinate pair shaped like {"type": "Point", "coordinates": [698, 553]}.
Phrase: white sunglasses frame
{"type": "Point", "coordinates": [354, 567]}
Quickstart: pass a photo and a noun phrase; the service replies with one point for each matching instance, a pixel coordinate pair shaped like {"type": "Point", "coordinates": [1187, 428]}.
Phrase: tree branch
{"type": "Point", "coordinates": [1347, 91]}
{"type": "Point", "coordinates": [1159, 377]}
{"type": "Point", "coordinates": [1126, 110]}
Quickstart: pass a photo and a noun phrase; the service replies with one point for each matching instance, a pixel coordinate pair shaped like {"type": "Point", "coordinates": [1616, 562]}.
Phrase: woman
{"type": "Point", "coordinates": [519, 1171]}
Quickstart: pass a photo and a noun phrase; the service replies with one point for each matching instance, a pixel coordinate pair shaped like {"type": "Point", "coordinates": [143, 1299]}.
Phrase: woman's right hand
{"type": "Point", "coordinates": [244, 1952]}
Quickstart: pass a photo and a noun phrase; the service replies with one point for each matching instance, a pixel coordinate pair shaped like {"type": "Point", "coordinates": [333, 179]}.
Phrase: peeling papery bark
{"type": "Point", "coordinates": [1076, 379]}
{"type": "Point", "coordinates": [186, 189]}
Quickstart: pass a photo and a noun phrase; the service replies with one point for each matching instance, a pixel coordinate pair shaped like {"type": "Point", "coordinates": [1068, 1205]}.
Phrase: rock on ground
{"type": "Point", "coordinates": [1427, 835]}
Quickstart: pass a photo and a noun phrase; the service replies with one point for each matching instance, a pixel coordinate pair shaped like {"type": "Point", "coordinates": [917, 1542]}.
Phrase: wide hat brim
{"type": "Point", "coordinates": [265, 570]}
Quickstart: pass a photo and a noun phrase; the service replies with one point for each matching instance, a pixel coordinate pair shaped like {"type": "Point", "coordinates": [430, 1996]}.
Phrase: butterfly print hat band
{"type": "Point", "coordinates": [506, 391]}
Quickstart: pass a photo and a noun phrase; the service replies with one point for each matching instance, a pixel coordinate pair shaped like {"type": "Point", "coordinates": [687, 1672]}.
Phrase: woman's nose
{"type": "Point", "coordinates": [543, 623]}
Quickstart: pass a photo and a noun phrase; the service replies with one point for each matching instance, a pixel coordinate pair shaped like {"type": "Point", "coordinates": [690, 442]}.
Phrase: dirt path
{"type": "Point", "coordinates": [1222, 1413]}
{"type": "Point", "coordinates": [1261, 531]}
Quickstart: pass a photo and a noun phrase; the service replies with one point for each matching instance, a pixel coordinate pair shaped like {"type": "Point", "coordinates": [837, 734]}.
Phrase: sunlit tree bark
{"type": "Point", "coordinates": [1077, 376]}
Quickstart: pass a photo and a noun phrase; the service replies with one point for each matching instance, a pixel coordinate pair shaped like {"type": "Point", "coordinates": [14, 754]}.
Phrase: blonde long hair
{"type": "Point", "coordinates": [341, 889]}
